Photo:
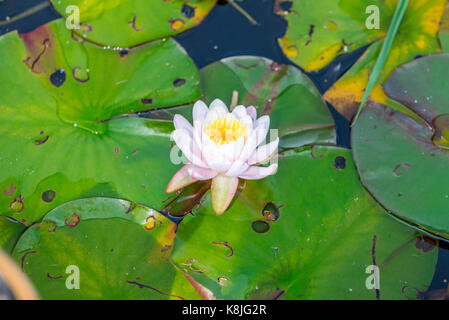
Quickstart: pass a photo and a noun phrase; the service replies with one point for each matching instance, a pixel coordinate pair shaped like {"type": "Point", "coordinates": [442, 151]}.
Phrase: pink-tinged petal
{"type": "Point", "coordinates": [200, 111]}
{"type": "Point", "coordinates": [255, 173]}
{"type": "Point", "coordinates": [202, 173]}
{"type": "Point", "coordinates": [252, 112]}
{"type": "Point", "coordinates": [222, 191]}
{"type": "Point", "coordinates": [239, 112]}
{"type": "Point", "coordinates": [188, 146]}
{"type": "Point", "coordinates": [264, 153]}
{"type": "Point", "coordinates": [181, 179]}
{"type": "Point", "coordinates": [204, 292]}
{"type": "Point", "coordinates": [219, 106]}
{"type": "Point", "coordinates": [237, 168]}
{"type": "Point", "coordinates": [181, 123]}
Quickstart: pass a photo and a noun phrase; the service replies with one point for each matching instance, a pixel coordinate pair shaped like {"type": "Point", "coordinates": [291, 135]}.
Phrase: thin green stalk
{"type": "Point", "coordinates": [242, 11]}
{"type": "Point", "coordinates": [26, 13]}
{"type": "Point", "coordinates": [383, 55]}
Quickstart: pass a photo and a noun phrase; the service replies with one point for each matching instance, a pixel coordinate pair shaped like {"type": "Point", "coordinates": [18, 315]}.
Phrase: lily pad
{"type": "Point", "coordinates": [10, 231]}
{"type": "Point", "coordinates": [444, 30]}
{"type": "Point", "coordinates": [126, 23]}
{"type": "Point", "coordinates": [119, 250]}
{"type": "Point", "coordinates": [294, 236]}
{"type": "Point", "coordinates": [294, 104]}
{"type": "Point", "coordinates": [62, 133]}
{"type": "Point", "coordinates": [318, 31]}
{"type": "Point", "coordinates": [403, 162]}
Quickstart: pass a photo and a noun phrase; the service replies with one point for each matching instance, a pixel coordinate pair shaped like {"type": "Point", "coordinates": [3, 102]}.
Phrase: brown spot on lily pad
{"type": "Point", "coordinates": [223, 281]}
{"type": "Point", "coordinates": [426, 244]}
{"type": "Point", "coordinates": [72, 221]}
{"type": "Point", "coordinates": [226, 244]}
{"type": "Point", "coordinates": [75, 76]}
{"type": "Point", "coordinates": [134, 25]}
{"type": "Point", "coordinates": [10, 191]}
{"type": "Point", "coordinates": [176, 24]}
{"type": "Point", "coordinates": [401, 169]}
{"type": "Point", "coordinates": [150, 223]}
{"type": "Point", "coordinates": [85, 28]}
{"type": "Point", "coordinates": [51, 226]}
{"type": "Point", "coordinates": [17, 205]}
{"type": "Point", "coordinates": [38, 142]}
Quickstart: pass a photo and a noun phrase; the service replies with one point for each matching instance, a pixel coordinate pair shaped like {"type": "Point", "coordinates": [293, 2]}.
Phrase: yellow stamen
{"type": "Point", "coordinates": [225, 130]}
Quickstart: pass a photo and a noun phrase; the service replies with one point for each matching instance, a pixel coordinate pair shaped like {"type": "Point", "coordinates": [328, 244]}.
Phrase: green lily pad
{"type": "Point", "coordinates": [294, 104]}
{"type": "Point", "coordinates": [120, 250]}
{"type": "Point", "coordinates": [126, 23]}
{"type": "Point", "coordinates": [59, 141]}
{"type": "Point", "coordinates": [318, 31]}
{"type": "Point", "coordinates": [294, 236]}
{"type": "Point", "coordinates": [403, 162]}
{"type": "Point", "coordinates": [444, 30]}
{"type": "Point", "coordinates": [10, 231]}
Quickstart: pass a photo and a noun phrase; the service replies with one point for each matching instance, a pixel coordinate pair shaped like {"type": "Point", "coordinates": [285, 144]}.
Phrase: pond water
{"type": "Point", "coordinates": [226, 32]}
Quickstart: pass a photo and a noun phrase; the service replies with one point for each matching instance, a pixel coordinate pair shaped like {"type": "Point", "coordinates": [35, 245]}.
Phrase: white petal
{"type": "Point", "coordinates": [255, 173]}
{"type": "Point", "coordinates": [219, 106]}
{"type": "Point", "coordinates": [262, 125]}
{"type": "Point", "coordinates": [263, 122]}
{"type": "Point", "coordinates": [237, 168]}
{"type": "Point", "coordinates": [264, 152]}
{"type": "Point", "coordinates": [239, 112]}
{"type": "Point", "coordinates": [251, 144]}
{"type": "Point", "coordinates": [232, 150]}
{"type": "Point", "coordinates": [220, 164]}
{"type": "Point", "coordinates": [211, 116]}
{"type": "Point", "coordinates": [247, 121]}
{"type": "Point", "coordinates": [181, 123]}
{"type": "Point", "coordinates": [188, 146]}
{"type": "Point", "coordinates": [199, 111]}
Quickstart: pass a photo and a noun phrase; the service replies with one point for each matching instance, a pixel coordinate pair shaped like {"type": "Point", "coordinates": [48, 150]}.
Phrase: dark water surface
{"type": "Point", "coordinates": [226, 32]}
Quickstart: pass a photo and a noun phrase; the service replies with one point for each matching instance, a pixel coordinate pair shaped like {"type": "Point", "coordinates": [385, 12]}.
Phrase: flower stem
{"type": "Point", "coordinates": [26, 13]}
{"type": "Point", "coordinates": [234, 99]}
{"type": "Point", "coordinates": [383, 55]}
{"type": "Point", "coordinates": [242, 11]}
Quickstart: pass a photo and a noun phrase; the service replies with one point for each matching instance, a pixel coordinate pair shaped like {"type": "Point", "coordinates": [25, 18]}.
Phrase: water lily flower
{"type": "Point", "coordinates": [222, 146]}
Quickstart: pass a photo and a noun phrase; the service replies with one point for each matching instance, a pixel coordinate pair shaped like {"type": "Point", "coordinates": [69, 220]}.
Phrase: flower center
{"type": "Point", "coordinates": [225, 130]}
